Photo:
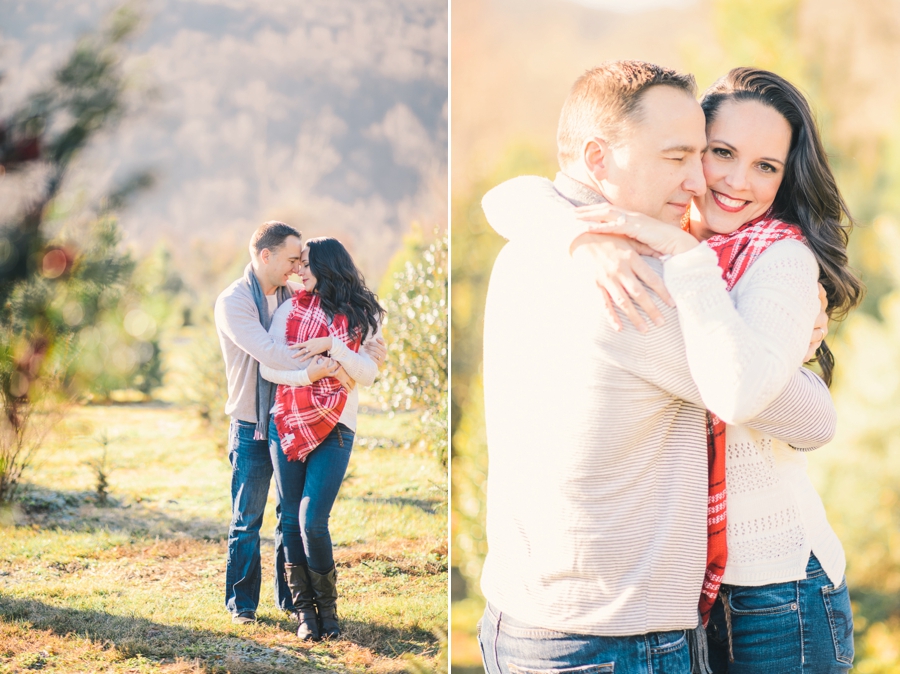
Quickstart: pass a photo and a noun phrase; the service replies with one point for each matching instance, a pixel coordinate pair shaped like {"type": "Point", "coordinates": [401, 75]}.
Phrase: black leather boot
{"type": "Point", "coordinates": [298, 580]}
{"type": "Point", "coordinates": [325, 592]}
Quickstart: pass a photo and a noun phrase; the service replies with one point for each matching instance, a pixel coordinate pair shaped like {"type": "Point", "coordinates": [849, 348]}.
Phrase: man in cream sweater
{"type": "Point", "coordinates": [597, 476]}
{"type": "Point", "coordinates": [243, 315]}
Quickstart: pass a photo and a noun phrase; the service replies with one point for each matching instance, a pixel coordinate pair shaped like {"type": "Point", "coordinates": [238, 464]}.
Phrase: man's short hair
{"type": "Point", "coordinates": [270, 235]}
{"type": "Point", "coordinates": [605, 99]}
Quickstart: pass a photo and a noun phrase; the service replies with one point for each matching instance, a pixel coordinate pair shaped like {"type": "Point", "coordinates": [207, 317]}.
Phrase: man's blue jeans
{"type": "Point", "coordinates": [509, 646]}
{"type": "Point", "coordinates": [800, 627]}
{"type": "Point", "coordinates": [251, 472]}
{"type": "Point", "coordinates": [307, 491]}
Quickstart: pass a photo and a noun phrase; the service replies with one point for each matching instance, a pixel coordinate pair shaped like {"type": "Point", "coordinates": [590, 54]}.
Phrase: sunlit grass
{"type": "Point", "coordinates": [138, 585]}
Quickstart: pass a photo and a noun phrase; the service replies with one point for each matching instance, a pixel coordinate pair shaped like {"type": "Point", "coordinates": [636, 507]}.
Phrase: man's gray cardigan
{"type": "Point", "coordinates": [244, 343]}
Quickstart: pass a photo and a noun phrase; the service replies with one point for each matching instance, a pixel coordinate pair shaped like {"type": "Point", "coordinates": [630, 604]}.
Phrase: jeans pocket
{"type": "Point", "coordinates": [672, 643]}
{"type": "Point", "coordinates": [840, 619]}
{"type": "Point", "coordinates": [673, 656]}
{"type": "Point", "coordinates": [245, 430]}
{"type": "Point", "coordinates": [240, 432]}
{"type": "Point", "coordinates": [606, 668]}
{"type": "Point", "coordinates": [764, 600]}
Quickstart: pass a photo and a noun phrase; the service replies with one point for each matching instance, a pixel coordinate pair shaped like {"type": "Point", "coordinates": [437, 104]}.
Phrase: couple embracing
{"type": "Point", "coordinates": [648, 507]}
{"type": "Point", "coordinates": [294, 357]}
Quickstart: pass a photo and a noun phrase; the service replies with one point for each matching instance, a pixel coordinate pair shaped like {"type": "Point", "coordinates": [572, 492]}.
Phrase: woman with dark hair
{"type": "Point", "coordinates": [807, 195]}
{"type": "Point", "coordinates": [774, 221]}
{"type": "Point", "coordinates": [313, 423]}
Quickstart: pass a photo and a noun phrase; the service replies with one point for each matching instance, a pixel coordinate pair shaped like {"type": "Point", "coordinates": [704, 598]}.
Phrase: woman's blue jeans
{"type": "Point", "coordinates": [800, 627]}
{"type": "Point", "coordinates": [307, 490]}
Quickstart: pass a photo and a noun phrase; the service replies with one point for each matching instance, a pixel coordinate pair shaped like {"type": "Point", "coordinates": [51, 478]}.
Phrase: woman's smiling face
{"type": "Point", "coordinates": [743, 165]}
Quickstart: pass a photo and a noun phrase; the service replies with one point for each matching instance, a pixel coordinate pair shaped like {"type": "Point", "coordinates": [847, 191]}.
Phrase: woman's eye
{"type": "Point", "coordinates": [721, 152]}
{"type": "Point", "coordinates": [767, 168]}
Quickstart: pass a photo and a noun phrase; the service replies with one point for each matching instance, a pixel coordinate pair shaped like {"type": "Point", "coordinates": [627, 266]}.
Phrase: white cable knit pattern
{"type": "Point", "coordinates": [775, 517]}
{"type": "Point", "coordinates": [784, 543]}
{"type": "Point", "coordinates": [749, 467]}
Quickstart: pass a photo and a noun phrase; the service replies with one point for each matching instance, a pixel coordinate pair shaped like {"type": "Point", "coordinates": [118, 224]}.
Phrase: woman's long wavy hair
{"type": "Point", "coordinates": [342, 288]}
{"type": "Point", "coordinates": [808, 196]}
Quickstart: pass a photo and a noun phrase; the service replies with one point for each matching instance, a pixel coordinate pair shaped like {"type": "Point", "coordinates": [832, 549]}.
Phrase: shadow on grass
{"type": "Point", "coordinates": [133, 636]}
{"type": "Point", "coordinates": [388, 641]}
{"type": "Point", "coordinates": [79, 511]}
{"type": "Point", "coordinates": [432, 506]}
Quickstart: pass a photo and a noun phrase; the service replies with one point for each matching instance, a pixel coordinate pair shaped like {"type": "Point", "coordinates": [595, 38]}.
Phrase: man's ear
{"type": "Point", "coordinates": [264, 255]}
{"type": "Point", "coordinates": [596, 155]}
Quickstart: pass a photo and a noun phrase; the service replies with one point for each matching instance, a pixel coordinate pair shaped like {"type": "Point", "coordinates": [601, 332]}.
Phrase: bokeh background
{"type": "Point", "coordinates": [512, 64]}
{"type": "Point", "coordinates": [141, 143]}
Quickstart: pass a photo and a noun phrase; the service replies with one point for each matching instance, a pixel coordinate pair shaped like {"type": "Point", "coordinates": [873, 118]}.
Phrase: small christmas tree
{"type": "Point", "coordinates": [53, 290]}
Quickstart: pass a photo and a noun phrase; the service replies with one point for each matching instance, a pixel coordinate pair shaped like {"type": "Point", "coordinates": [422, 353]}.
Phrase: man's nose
{"type": "Point", "coordinates": [695, 183]}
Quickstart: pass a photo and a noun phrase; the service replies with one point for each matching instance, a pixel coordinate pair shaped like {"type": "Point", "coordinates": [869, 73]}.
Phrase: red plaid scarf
{"type": "Point", "coordinates": [305, 415]}
{"type": "Point", "coordinates": [736, 251]}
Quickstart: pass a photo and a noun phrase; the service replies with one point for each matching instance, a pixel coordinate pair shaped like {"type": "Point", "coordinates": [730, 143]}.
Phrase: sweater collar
{"type": "Point", "coordinates": [577, 192]}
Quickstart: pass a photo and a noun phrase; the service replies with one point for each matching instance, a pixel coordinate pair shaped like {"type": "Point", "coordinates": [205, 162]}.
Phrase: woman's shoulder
{"type": "Point", "coordinates": [786, 258]}
{"type": "Point", "coordinates": [791, 249]}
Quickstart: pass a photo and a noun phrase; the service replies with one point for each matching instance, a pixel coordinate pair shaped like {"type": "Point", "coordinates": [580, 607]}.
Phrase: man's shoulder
{"type": "Point", "coordinates": [235, 295]}
{"type": "Point", "coordinates": [231, 287]}
{"type": "Point", "coordinates": [525, 278]}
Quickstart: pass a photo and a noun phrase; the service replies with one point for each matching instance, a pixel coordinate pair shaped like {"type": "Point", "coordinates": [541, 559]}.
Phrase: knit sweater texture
{"type": "Point", "coordinates": [596, 503]}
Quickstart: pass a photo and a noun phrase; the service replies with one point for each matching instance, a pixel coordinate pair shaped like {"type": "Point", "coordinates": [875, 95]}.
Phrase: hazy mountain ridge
{"type": "Point", "coordinates": [332, 115]}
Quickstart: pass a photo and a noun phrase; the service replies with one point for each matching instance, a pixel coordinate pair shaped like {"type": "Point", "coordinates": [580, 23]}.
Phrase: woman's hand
{"type": "Point", "coordinates": [662, 237]}
{"type": "Point", "coordinates": [614, 263]}
{"type": "Point", "coordinates": [322, 367]}
{"type": "Point", "coordinates": [377, 350]}
{"type": "Point", "coordinates": [311, 347]}
{"type": "Point", "coordinates": [820, 328]}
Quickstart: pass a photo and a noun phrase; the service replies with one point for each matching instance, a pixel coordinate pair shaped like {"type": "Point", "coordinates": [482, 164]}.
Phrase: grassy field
{"type": "Point", "coordinates": [137, 584]}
